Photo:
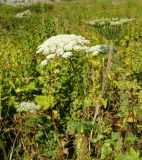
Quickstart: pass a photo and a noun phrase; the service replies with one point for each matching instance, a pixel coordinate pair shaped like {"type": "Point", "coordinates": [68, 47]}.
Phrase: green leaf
{"type": "Point", "coordinates": [131, 138]}
{"type": "Point", "coordinates": [133, 155]}
{"type": "Point", "coordinates": [106, 151]}
{"type": "Point", "coordinates": [31, 86]}
{"type": "Point", "coordinates": [104, 102]}
{"type": "Point", "coordinates": [45, 101]}
{"type": "Point", "coordinates": [115, 136]}
{"type": "Point", "coordinates": [98, 138]}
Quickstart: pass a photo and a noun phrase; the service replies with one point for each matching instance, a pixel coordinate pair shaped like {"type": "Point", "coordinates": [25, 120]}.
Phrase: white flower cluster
{"type": "Point", "coordinates": [110, 28]}
{"type": "Point", "coordinates": [62, 45]}
{"type": "Point", "coordinates": [100, 49]}
{"type": "Point", "coordinates": [121, 21]}
{"type": "Point", "coordinates": [110, 21]}
{"type": "Point", "coordinates": [27, 107]}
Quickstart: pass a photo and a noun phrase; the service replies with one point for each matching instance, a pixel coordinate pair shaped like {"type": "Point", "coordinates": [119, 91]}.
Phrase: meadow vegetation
{"type": "Point", "coordinates": [68, 90]}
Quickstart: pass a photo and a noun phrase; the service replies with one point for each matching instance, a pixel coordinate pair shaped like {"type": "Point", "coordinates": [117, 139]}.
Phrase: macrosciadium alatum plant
{"type": "Point", "coordinates": [110, 29]}
{"type": "Point", "coordinates": [66, 46]}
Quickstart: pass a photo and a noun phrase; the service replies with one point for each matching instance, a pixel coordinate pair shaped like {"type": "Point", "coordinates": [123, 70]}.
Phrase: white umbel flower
{"type": "Point", "coordinates": [44, 62]}
{"type": "Point", "coordinates": [100, 49]}
{"type": "Point", "coordinates": [62, 43]}
{"type": "Point", "coordinates": [67, 55]}
{"type": "Point", "coordinates": [27, 107]}
{"type": "Point", "coordinates": [65, 45]}
{"type": "Point", "coordinates": [110, 21]}
{"type": "Point", "coordinates": [110, 28]}
{"type": "Point", "coordinates": [51, 56]}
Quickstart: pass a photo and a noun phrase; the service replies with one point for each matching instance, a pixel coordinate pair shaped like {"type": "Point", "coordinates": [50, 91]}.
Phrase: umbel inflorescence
{"type": "Point", "coordinates": [65, 45]}
{"type": "Point", "coordinates": [110, 28]}
{"type": "Point", "coordinates": [111, 21]}
{"type": "Point", "coordinates": [62, 46]}
{"type": "Point", "coordinates": [101, 49]}
{"type": "Point", "coordinates": [27, 107]}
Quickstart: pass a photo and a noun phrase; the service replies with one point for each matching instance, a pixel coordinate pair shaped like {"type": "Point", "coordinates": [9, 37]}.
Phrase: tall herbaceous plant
{"type": "Point", "coordinates": [60, 60]}
{"type": "Point", "coordinates": [77, 98]}
{"type": "Point", "coordinates": [63, 50]}
{"type": "Point", "coordinates": [65, 64]}
{"type": "Point", "coordinates": [110, 29]}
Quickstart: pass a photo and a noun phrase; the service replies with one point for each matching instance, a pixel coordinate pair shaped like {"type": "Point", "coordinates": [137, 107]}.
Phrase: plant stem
{"type": "Point", "coordinates": [104, 82]}
{"type": "Point", "coordinates": [4, 151]}
{"type": "Point", "coordinates": [108, 68]}
{"type": "Point", "coordinates": [11, 154]}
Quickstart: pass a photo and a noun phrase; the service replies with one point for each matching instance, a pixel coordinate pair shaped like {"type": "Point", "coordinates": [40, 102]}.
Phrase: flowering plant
{"type": "Point", "coordinates": [27, 107]}
{"type": "Point", "coordinates": [110, 28]}
{"type": "Point", "coordinates": [100, 49]}
{"type": "Point", "coordinates": [62, 45]}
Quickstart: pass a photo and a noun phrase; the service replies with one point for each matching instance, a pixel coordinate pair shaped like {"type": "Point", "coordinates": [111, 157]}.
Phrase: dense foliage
{"type": "Point", "coordinates": [68, 90]}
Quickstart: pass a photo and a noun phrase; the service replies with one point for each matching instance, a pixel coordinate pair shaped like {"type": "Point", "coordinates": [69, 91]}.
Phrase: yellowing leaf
{"type": "Point", "coordinates": [104, 102]}
{"type": "Point", "coordinates": [109, 76]}
{"type": "Point", "coordinates": [131, 119]}
{"type": "Point", "coordinates": [55, 113]}
{"type": "Point", "coordinates": [56, 71]}
{"type": "Point", "coordinates": [18, 90]}
{"type": "Point", "coordinates": [45, 101]}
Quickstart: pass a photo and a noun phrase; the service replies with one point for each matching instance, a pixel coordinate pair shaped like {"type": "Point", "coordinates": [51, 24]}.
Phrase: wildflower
{"type": "Point", "coordinates": [121, 21]}
{"type": "Point", "coordinates": [110, 28]}
{"type": "Point", "coordinates": [100, 49]}
{"type": "Point", "coordinates": [51, 56]}
{"type": "Point", "coordinates": [67, 55]}
{"type": "Point", "coordinates": [110, 21]}
{"type": "Point", "coordinates": [65, 45]}
{"type": "Point", "coordinates": [61, 45]}
{"type": "Point", "coordinates": [27, 107]}
{"type": "Point", "coordinates": [44, 62]}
